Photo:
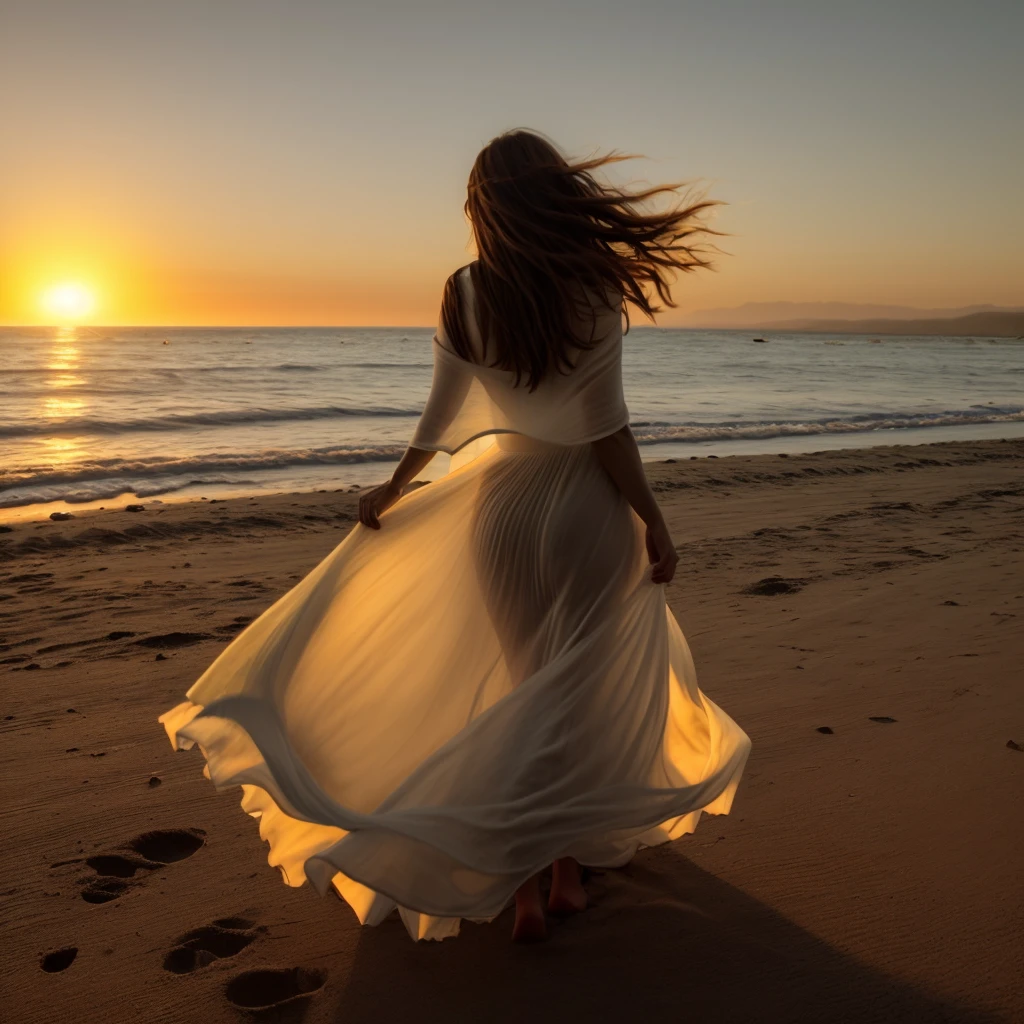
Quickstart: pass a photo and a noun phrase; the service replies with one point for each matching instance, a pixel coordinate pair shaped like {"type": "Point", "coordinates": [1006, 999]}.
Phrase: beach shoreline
{"type": "Point", "coordinates": [89, 421]}
{"type": "Point", "coordinates": [857, 611]}
{"type": "Point", "coordinates": [373, 472]}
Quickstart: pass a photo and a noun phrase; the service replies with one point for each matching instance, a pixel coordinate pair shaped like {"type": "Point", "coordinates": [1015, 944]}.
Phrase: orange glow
{"type": "Point", "coordinates": [69, 269]}
{"type": "Point", "coordinates": [311, 170]}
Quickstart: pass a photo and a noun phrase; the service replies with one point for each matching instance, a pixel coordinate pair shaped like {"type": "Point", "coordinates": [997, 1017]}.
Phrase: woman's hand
{"type": "Point", "coordinates": [620, 457]}
{"type": "Point", "coordinates": [662, 553]}
{"type": "Point", "coordinates": [374, 503]}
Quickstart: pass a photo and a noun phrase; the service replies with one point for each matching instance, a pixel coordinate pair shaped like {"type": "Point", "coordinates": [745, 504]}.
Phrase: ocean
{"type": "Point", "coordinates": [93, 415]}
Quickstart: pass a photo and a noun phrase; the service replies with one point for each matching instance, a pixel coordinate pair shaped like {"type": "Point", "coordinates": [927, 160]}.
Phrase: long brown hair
{"type": "Point", "coordinates": [551, 237]}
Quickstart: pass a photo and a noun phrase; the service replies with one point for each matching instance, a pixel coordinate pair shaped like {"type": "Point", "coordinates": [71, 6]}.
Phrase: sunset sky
{"type": "Point", "coordinates": [304, 162]}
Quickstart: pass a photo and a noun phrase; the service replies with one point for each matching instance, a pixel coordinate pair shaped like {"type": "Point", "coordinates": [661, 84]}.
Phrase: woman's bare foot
{"type": "Point", "coordinates": [567, 893]}
{"type": "Point", "coordinates": [530, 925]}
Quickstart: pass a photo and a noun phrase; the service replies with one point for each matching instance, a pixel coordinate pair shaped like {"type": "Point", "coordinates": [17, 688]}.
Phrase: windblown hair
{"type": "Point", "coordinates": [552, 241]}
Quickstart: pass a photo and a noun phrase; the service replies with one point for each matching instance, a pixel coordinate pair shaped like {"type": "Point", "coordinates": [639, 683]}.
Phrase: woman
{"type": "Point", "coordinates": [484, 678]}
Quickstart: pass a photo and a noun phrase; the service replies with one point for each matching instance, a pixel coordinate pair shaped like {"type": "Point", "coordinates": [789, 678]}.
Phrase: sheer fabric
{"type": "Point", "coordinates": [471, 400]}
{"type": "Point", "coordinates": [442, 708]}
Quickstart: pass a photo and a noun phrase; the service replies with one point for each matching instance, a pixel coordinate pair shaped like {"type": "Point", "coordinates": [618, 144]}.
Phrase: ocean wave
{"type": "Point", "coordinates": [386, 366]}
{"type": "Point", "coordinates": [656, 432]}
{"type": "Point", "coordinates": [95, 478]}
{"type": "Point", "coordinates": [177, 421]}
{"type": "Point", "coordinates": [45, 371]}
{"type": "Point", "coordinates": [98, 490]}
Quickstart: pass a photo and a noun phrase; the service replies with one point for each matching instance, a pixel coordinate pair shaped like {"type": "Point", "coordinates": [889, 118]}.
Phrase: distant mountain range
{"type": "Point", "coordinates": [991, 325]}
{"type": "Point", "coordinates": [854, 317]}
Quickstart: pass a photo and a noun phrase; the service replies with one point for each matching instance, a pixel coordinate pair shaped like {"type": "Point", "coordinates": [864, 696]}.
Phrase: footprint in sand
{"type": "Point", "coordinates": [218, 940]}
{"type": "Point", "coordinates": [145, 853]}
{"type": "Point", "coordinates": [772, 585]}
{"type": "Point", "coordinates": [273, 988]}
{"type": "Point", "coordinates": [176, 639]}
{"type": "Point", "coordinates": [236, 625]}
{"type": "Point", "coordinates": [59, 959]}
{"type": "Point", "coordinates": [103, 890]}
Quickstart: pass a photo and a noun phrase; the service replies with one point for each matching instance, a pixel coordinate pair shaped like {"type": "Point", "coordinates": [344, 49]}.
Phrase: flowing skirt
{"type": "Point", "coordinates": [442, 708]}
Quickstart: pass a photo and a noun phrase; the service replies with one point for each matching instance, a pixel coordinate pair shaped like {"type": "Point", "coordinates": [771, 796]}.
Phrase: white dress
{"type": "Point", "coordinates": [443, 707]}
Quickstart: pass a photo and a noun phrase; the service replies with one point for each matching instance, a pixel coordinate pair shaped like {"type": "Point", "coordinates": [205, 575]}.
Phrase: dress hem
{"type": "Point", "coordinates": [323, 874]}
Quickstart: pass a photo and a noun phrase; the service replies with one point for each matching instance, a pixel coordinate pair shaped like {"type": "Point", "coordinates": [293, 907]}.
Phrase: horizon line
{"type": "Point", "coordinates": [285, 327]}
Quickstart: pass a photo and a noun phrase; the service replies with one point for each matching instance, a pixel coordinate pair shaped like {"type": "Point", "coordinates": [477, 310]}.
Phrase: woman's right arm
{"type": "Point", "coordinates": [448, 389]}
{"type": "Point", "coordinates": [620, 457]}
{"type": "Point", "coordinates": [377, 501]}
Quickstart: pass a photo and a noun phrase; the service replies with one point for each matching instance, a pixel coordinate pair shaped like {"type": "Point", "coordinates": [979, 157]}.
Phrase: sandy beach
{"type": "Point", "coordinates": [858, 612]}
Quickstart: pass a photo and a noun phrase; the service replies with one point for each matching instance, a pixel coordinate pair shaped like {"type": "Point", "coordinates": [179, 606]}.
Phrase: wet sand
{"type": "Point", "coordinates": [858, 612]}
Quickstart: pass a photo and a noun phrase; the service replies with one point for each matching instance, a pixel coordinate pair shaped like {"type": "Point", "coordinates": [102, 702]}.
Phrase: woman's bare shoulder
{"type": "Point", "coordinates": [460, 302]}
{"type": "Point", "coordinates": [463, 276]}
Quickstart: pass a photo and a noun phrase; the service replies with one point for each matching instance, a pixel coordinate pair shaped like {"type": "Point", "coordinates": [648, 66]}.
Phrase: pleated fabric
{"type": "Point", "coordinates": [443, 707]}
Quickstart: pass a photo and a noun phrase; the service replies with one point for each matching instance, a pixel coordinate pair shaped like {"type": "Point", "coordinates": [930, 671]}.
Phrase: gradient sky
{"type": "Point", "coordinates": [304, 162]}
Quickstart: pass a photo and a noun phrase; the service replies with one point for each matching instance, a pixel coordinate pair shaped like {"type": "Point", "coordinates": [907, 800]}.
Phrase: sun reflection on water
{"type": "Point", "coordinates": [61, 408]}
{"type": "Point", "coordinates": [64, 353]}
{"type": "Point", "coordinates": [66, 380]}
{"type": "Point", "coordinates": [63, 358]}
{"type": "Point", "coordinates": [59, 451]}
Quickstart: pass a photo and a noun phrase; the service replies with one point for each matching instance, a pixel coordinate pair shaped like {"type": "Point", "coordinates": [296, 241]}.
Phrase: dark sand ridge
{"type": "Point", "coordinates": [872, 873]}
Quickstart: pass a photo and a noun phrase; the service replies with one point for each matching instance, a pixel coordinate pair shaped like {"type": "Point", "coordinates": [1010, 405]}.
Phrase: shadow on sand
{"type": "Point", "coordinates": [663, 941]}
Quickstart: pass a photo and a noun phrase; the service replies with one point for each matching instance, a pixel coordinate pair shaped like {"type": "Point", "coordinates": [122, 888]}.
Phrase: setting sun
{"type": "Point", "coordinates": [69, 301]}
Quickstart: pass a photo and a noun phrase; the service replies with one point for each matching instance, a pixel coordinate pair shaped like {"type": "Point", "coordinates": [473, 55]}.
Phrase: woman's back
{"type": "Point", "coordinates": [597, 320]}
{"type": "Point", "coordinates": [471, 397]}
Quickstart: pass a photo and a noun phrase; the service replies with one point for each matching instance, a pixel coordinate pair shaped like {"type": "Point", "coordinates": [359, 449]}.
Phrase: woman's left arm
{"type": "Point", "coordinates": [377, 501]}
